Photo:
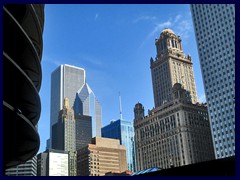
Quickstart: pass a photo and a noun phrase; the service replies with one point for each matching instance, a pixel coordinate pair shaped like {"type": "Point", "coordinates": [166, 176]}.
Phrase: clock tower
{"type": "Point", "coordinates": [171, 66]}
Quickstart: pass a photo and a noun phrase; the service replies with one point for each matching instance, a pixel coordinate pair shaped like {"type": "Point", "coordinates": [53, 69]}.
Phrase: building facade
{"type": "Point", "coordinates": [52, 163]}
{"type": "Point", "coordinates": [83, 130]}
{"type": "Point", "coordinates": [48, 145]}
{"type": "Point", "coordinates": [87, 104]}
{"type": "Point", "coordinates": [42, 165]}
{"type": "Point", "coordinates": [214, 26]}
{"type": "Point", "coordinates": [177, 131]}
{"type": "Point", "coordinates": [65, 82]}
{"type": "Point", "coordinates": [124, 131]}
{"type": "Point", "coordinates": [29, 168]}
{"type": "Point", "coordinates": [171, 66]}
{"type": "Point", "coordinates": [23, 26]}
{"type": "Point", "coordinates": [174, 134]}
{"type": "Point", "coordinates": [101, 156]}
{"type": "Point", "coordinates": [64, 135]}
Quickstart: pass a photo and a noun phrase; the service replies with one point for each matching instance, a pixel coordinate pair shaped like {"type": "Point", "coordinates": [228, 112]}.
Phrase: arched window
{"type": "Point", "coordinates": [173, 43]}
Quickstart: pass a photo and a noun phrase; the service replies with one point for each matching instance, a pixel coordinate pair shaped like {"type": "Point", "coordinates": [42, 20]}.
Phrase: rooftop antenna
{"type": "Point", "coordinates": [120, 106]}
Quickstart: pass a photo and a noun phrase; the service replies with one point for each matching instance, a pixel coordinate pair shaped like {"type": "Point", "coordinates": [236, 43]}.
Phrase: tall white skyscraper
{"type": "Point", "coordinates": [215, 35]}
{"type": "Point", "coordinates": [87, 104]}
{"type": "Point", "coordinates": [65, 82]}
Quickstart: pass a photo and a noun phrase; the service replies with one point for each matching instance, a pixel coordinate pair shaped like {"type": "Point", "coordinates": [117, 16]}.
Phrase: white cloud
{"type": "Point", "coordinates": [181, 25]}
{"type": "Point", "coordinates": [184, 27]}
{"type": "Point", "coordinates": [159, 28]}
{"type": "Point", "coordinates": [51, 60]}
{"type": "Point", "coordinates": [87, 59]}
{"type": "Point", "coordinates": [96, 16]}
{"type": "Point", "coordinates": [202, 98]}
{"type": "Point", "coordinates": [144, 18]}
{"type": "Point", "coordinates": [177, 18]}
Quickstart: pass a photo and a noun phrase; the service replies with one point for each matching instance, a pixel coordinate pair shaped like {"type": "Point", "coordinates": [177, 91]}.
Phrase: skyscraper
{"type": "Point", "coordinates": [174, 134]}
{"type": "Point", "coordinates": [86, 103]}
{"type": "Point", "coordinates": [83, 130]}
{"type": "Point", "coordinates": [64, 135]}
{"type": "Point", "coordinates": [214, 26]}
{"type": "Point", "coordinates": [171, 66]}
{"type": "Point", "coordinates": [124, 131]}
{"type": "Point", "coordinates": [177, 131]}
{"type": "Point", "coordinates": [65, 82]}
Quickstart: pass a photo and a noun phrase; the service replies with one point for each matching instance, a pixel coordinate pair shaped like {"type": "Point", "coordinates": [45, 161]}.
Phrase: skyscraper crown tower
{"type": "Point", "coordinates": [138, 111]}
{"type": "Point", "coordinates": [87, 104]}
{"type": "Point", "coordinates": [168, 41]}
{"type": "Point", "coordinates": [171, 66]}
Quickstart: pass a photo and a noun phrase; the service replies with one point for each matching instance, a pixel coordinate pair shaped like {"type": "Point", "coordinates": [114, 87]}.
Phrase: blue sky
{"type": "Point", "coordinates": [113, 43]}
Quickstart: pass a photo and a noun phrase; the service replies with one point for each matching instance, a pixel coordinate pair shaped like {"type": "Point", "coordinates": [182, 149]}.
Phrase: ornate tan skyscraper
{"type": "Point", "coordinates": [64, 135]}
{"type": "Point", "coordinates": [171, 66]}
{"type": "Point", "coordinates": [177, 131]}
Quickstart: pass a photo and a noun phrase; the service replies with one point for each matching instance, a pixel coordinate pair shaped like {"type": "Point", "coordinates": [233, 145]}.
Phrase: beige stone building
{"type": "Point", "coordinates": [174, 134]}
{"type": "Point", "coordinates": [177, 131]}
{"type": "Point", "coordinates": [101, 156]}
{"type": "Point", "coordinates": [171, 66]}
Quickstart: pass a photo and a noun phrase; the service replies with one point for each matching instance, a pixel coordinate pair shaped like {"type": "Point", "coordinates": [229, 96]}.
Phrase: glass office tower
{"type": "Point", "coordinates": [83, 130]}
{"type": "Point", "coordinates": [87, 104]}
{"type": "Point", "coordinates": [65, 82]}
{"type": "Point", "coordinates": [215, 35]}
{"type": "Point", "coordinates": [124, 131]}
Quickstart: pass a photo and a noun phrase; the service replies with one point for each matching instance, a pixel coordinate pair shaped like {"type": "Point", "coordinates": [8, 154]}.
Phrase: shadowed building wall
{"type": "Point", "coordinates": [22, 54]}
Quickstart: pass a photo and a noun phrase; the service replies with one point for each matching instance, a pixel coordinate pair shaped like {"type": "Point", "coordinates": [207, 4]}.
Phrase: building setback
{"type": "Point", "coordinates": [124, 131]}
{"type": "Point", "coordinates": [101, 156]}
{"type": "Point", "coordinates": [52, 163]}
{"type": "Point", "coordinates": [214, 26]}
{"type": "Point", "coordinates": [174, 134]}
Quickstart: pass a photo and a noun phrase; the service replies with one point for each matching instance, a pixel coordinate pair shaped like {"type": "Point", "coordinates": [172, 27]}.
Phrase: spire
{"type": "Point", "coordinates": [120, 106]}
{"type": "Point", "coordinates": [66, 103]}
